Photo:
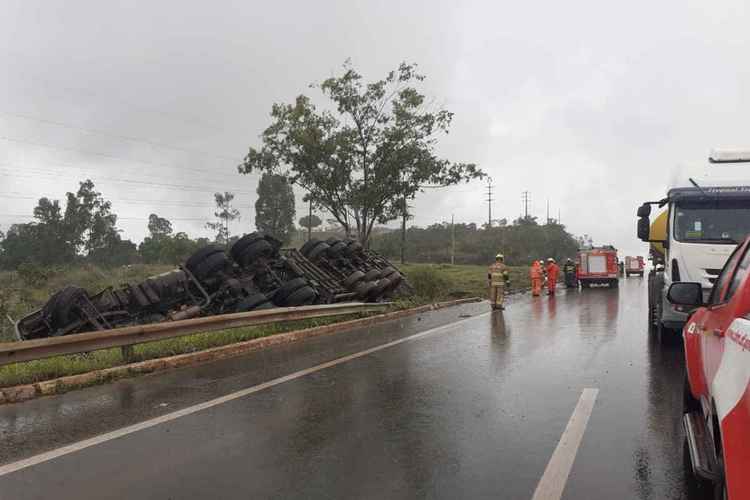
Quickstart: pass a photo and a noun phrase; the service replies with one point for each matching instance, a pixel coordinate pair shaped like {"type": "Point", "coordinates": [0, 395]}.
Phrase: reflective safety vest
{"type": "Point", "coordinates": [498, 274]}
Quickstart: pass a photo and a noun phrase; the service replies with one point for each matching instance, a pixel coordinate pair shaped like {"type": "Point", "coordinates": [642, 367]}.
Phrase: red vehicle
{"type": "Point", "coordinates": [597, 265]}
{"type": "Point", "coordinates": [634, 265]}
{"type": "Point", "coordinates": [717, 390]}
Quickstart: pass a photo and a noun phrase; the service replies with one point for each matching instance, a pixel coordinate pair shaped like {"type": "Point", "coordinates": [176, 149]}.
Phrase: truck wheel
{"type": "Point", "coordinates": [372, 274]}
{"type": "Point", "coordinates": [287, 289]}
{"type": "Point", "coordinates": [318, 251]}
{"type": "Point", "coordinates": [210, 266]}
{"type": "Point", "coordinates": [354, 247]}
{"type": "Point", "coordinates": [381, 287]}
{"type": "Point", "coordinates": [337, 248]}
{"type": "Point", "coordinates": [364, 288]}
{"type": "Point", "coordinates": [351, 281]}
{"type": "Point", "coordinates": [252, 252]}
{"type": "Point", "coordinates": [252, 302]}
{"type": "Point", "coordinates": [239, 246]}
{"type": "Point", "coordinates": [614, 283]}
{"type": "Point", "coordinates": [60, 308]}
{"type": "Point", "coordinates": [300, 297]}
{"type": "Point", "coordinates": [309, 244]}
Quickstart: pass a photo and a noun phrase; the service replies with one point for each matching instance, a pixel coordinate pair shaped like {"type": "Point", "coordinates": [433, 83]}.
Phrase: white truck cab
{"type": "Point", "coordinates": [691, 238]}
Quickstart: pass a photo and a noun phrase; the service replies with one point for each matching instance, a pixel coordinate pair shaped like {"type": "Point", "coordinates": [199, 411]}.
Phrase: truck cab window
{"type": "Point", "coordinates": [712, 221]}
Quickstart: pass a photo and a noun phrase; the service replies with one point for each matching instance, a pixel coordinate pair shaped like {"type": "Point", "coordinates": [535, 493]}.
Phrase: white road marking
{"type": "Point", "coordinates": [552, 483]}
{"type": "Point", "coordinates": [109, 436]}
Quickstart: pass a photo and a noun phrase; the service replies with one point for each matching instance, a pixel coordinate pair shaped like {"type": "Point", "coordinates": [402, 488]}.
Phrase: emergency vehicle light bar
{"type": "Point", "coordinates": [729, 156]}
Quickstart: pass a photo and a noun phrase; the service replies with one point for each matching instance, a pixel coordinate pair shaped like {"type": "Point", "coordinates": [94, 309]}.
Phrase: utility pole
{"type": "Point", "coordinates": [403, 230]}
{"type": "Point", "coordinates": [453, 241]}
{"type": "Point", "coordinates": [489, 202]}
{"type": "Point", "coordinates": [525, 197]}
{"type": "Point", "coordinates": [309, 220]}
{"type": "Point", "coordinates": [548, 211]}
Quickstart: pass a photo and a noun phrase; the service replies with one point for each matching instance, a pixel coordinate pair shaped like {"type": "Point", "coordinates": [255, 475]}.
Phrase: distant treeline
{"type": "Point", "coordinates": [520, 242]}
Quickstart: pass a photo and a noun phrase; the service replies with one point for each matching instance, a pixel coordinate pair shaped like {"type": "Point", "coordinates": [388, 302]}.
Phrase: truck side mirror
{"type": "Point", "coordinates": [685, 294]}
{"type": "Point", "coordinates": [644, 228]}
{"type": "Point", "coordinates": [644, 210]}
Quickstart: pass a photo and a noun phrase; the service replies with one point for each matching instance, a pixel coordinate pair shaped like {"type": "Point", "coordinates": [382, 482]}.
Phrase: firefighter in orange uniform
{"type": "Point", "coordinates": [552, 271]}
{"type": "Point", "coordinates": [498, 279]}
{"type": "Point", "coordinates": [537, 276]}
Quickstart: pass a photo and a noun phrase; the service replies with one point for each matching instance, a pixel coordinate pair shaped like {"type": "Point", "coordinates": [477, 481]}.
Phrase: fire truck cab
{"type": "Point", "coordinates": [597, 265]}
{"type": "Point", "coordinates": [633, 265]}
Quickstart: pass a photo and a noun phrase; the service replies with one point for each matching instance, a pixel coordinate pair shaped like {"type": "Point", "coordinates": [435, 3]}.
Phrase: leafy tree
{"type": "Point", "coordinates": [274, 208]}
{"type": "Point", "coordinates": [363, 160]}
{"type": "Point", "coordinates": [224, 215]}
{"type": "Point", "coordinates": [310, 222]}
{"type": "Point", "coordinates": [159, 227]}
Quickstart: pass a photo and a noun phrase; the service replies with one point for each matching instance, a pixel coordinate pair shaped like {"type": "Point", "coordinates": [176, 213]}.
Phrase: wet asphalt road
{"type": "Point", "coordinates": [473, 410]}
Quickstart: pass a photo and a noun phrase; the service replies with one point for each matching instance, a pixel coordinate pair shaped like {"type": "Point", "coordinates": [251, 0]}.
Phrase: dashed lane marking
{"type": "Point", "coordinates": [552, 483]}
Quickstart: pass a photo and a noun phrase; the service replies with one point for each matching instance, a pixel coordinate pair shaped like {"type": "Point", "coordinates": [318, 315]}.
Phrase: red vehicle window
{"type": "Point", "coordinates": [723, 279]}
{"type": "Point", "coordinates": [739, 276]}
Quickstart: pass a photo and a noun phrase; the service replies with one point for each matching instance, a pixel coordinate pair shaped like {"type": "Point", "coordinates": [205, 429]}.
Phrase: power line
{"type": "Point", "coordinates": [182, 118]}
{"type": "Point", "coordinates": [118, 136]}
{"type": "Point", "coordinates": [56, 175]}
{"type": "Point", "coordinates": [103, 155]}
{"type": "Point", "coordinates": [185, 204]}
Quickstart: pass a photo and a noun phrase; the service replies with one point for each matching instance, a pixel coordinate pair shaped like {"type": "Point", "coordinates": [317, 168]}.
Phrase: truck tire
{"type": "Point", "coordinates": [381, 287]}
{"type": "Point", "coordinates": [364, 288]}
{"type": "Point", "coordinates": [614, 283]}
{"type": "Point", "coordinates": [372, 275]}
{"type": "Point", "coordinates": [252, 302]}
{"type": "Point", "coordinates": [337, 249]}
{"type": "Point", "coordinates": [309, 244]}
{"type": "Point", "coordinates": [353, 247]}
{"type": "Point", "coordinates": [60, 308]}
{"type": "Point", "coordinates": [210, 266]}
{"type": "Point", "coordinates": [351, 281]}
{"type": "Point", "coordinates": [254, 251]}
{"type": "Point", "coordinates": [288, 288]}
{"type": "Point", "coordinates": [301, 297]}
{"type": "Point", "coordinates": [318, 251]}
{"type": "Point", "coordinates": [200, 255]}
{"type": "Point", "coordinates": [241, 245]}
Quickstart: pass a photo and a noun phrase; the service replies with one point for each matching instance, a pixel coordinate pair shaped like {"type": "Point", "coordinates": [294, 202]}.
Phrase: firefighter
{"type": "Point", "coordinates": [569, 271]}
{"type": "Point", "coordinates": [497, 279]}
{"type": "Point", "coordinates": [537, 276]}
{"type": "Point", "coordinates": [552, 271]}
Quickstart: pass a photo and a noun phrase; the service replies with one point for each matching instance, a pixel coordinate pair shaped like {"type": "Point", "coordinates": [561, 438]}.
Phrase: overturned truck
{"type": "Point", "coordinates": [255, 274]}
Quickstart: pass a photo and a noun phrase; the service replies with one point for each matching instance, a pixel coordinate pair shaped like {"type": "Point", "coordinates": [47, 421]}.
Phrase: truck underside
{"type": "Point", "coordinates": [255, 274]}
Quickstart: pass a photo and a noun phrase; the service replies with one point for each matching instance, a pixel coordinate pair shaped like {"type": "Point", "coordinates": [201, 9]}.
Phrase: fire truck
{"type": "Point", "coordinates": [633, 265]}
{"type": "Point", "coordinates": [597, 265]}
{"type": "Point", "coordinates": [716, 413]}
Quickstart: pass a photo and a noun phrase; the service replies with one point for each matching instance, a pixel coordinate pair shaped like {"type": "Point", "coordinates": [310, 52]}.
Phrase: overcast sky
{"type": "Point", "coordinates": [595, 106]}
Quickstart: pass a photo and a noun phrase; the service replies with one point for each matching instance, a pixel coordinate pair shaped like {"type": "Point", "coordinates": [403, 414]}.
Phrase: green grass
{"type": "Point", "coordinates": [442, 282]}
{"type": "Point", "coordinates": [465, 280]}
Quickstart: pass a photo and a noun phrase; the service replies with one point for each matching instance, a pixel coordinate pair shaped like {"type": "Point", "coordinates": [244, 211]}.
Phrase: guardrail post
{"type": "Point", "coordinates": [127, 353]}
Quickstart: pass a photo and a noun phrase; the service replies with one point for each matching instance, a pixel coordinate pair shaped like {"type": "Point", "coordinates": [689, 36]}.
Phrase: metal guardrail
{"type": "Point", "coordinates": [29, 350]}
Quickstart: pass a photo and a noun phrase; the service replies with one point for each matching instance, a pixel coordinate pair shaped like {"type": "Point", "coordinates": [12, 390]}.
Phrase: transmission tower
{"type": "Point", "coordinates": [525, 198]}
